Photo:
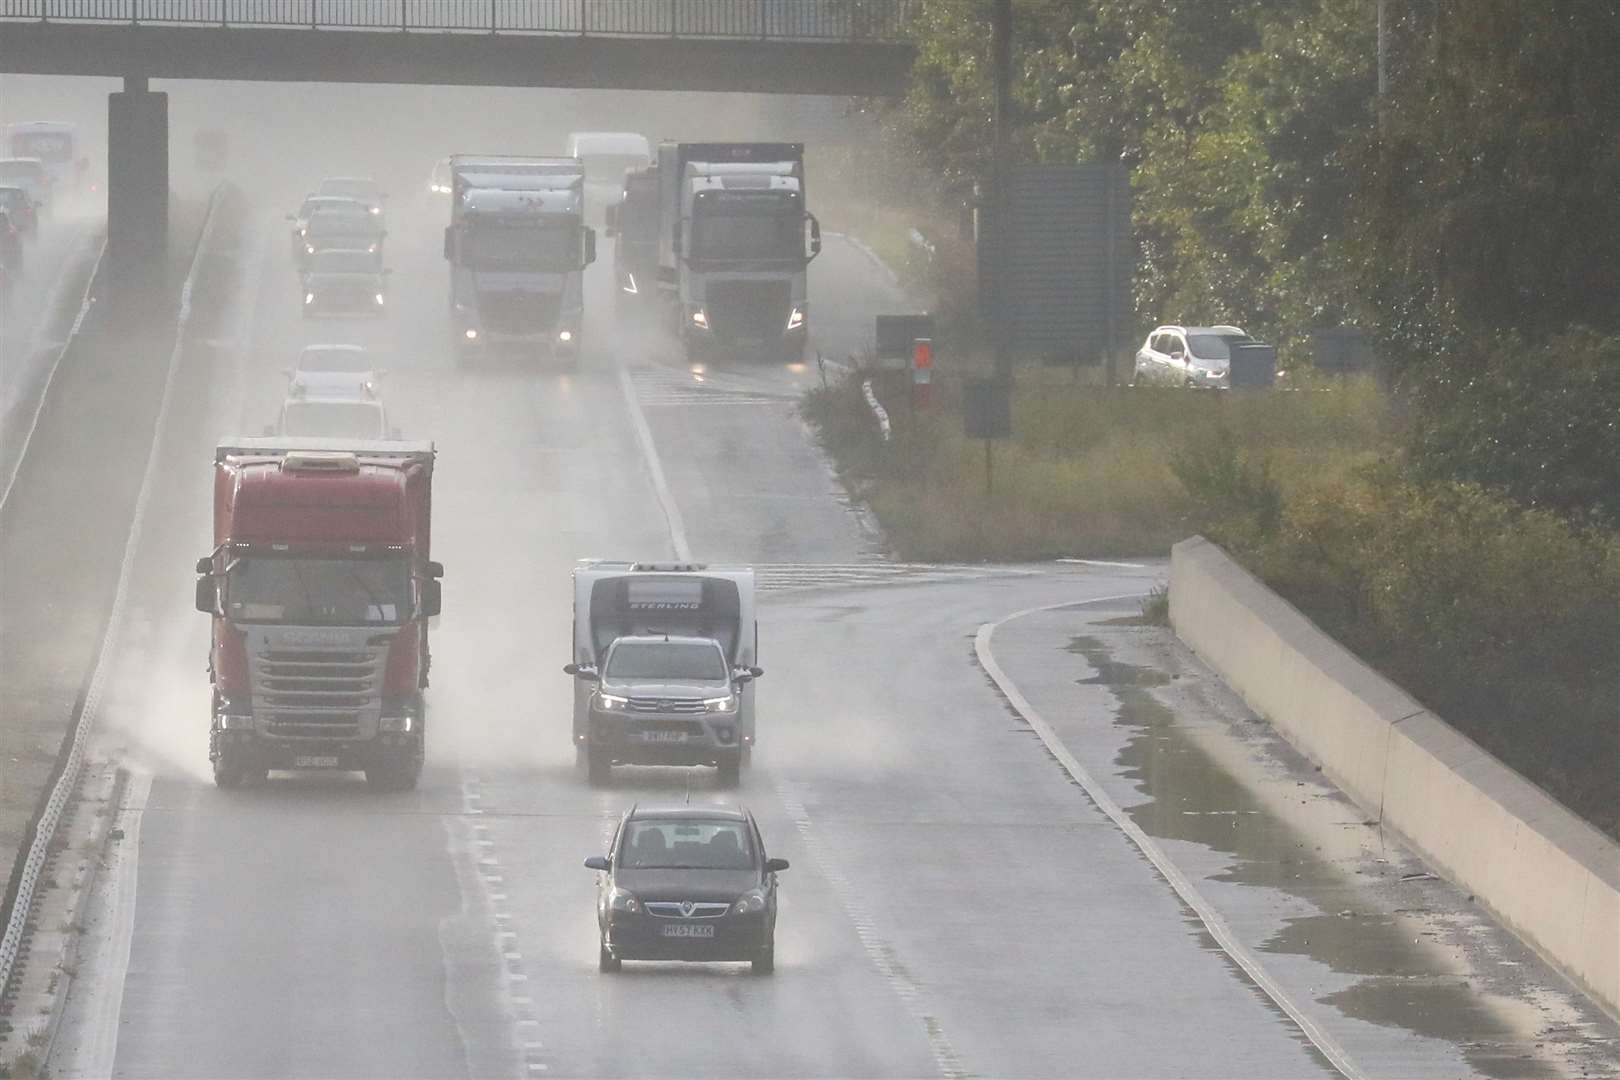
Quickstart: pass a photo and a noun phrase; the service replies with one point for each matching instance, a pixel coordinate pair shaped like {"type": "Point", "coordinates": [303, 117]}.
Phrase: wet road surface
{"type": "Point", "coordinates": [956, 906]}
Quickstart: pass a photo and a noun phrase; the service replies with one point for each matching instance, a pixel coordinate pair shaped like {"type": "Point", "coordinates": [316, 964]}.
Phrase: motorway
{"type": "Point", "coordinates": [957, 905]}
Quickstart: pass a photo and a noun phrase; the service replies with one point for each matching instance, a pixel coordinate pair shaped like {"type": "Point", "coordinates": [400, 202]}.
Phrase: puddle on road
{"type": "Point", "coordinates": [1192, 797]}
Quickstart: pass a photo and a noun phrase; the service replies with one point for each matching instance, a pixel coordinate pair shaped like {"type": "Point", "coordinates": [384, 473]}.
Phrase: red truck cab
{"type": "Point", "coordinates": [320, 586]}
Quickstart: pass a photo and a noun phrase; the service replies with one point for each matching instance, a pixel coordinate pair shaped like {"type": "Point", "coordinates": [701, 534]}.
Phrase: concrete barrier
{"type": "Point", "coordinates": [1547, 875]}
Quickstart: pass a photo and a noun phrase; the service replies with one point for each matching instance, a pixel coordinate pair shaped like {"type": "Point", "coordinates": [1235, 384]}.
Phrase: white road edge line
{"type": "Point", "coordinates": [1104, 562]}
{"type": "Point", "coordinates": [105, 1005]}
{"type": "Point", "coordinates": [108, 646]}
{"type": "Point", "coordinates": [666, 499]}
{"type": "Point", "coordinates": [50, 378]}
{"type": "Point", "coordinates": [1324, 1042]}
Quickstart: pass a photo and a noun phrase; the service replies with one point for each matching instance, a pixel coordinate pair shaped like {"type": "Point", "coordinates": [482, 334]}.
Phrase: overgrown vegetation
{"type": "Point", "coordinates": [1091, 471]}
{"type": "Point", "coordinates": [1465, 218]}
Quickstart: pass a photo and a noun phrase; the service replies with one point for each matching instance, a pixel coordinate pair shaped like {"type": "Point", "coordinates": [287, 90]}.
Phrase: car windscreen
{"type": "Point", "coordinates": [53, 146]}
{"type": "Point", "coordinates": [341, 360]}
{"type": "Point", "coordinates": [343, 262]}
{"type": "Point", "coordinates": [653, 844]}
{"type": "Point", "coordinates": [318, 591]}
{"type": "Point", "coordinates": [29, 171]}
{"type": "Point", "coordinates": [672, 661]}
{"type": "Point", "coordinates": [334, 223]}
{"type": "Point", "coordinates": [333, 420]}
{"type": "Point", "coordinates": [364, 190]}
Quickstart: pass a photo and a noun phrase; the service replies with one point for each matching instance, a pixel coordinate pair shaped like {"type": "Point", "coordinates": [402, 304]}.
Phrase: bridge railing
{"type": "Point", "coordinates": [778, 20]}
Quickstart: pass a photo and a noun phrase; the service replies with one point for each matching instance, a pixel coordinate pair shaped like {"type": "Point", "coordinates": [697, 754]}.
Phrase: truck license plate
{"type": "Point", "coordinates": [688, 930]}
{"type": "Point", "coordinates": [321, 762]}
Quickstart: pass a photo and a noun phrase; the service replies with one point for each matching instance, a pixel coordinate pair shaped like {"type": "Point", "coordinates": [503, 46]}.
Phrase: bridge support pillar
{"type": "Point", "coordinates": [137, 191]}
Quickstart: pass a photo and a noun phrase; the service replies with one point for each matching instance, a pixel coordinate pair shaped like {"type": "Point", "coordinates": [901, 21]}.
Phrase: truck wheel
{"type": "Point", "coordinates": [598, 768]}
{"type": "Point", "coordinates": [396, 770]}
{"type": "Point", "coordinates": [729, 771]}
{"type": "Point", "coordinates": [765, 962]}
{"type": "Point", "coordinates": [229, 769]}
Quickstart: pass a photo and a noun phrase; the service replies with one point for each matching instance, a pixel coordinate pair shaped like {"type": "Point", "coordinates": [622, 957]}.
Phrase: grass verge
{"type": "Point", "coordinates": [1091, 471]}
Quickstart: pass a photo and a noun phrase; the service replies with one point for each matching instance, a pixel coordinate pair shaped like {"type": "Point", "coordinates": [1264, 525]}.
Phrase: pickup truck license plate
{"type": "Point", "coordinates": [321, 762]}
{"type": "Point", "coordinates": [663, 736]}
{"type": "Point", "coordinates": [688, 930]}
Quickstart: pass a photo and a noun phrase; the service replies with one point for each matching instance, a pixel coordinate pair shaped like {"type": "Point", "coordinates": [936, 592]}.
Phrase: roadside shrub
{"type": "Point", "coordinates": [1539, 423]}
{"type": "Point", "coordinates": [1503, 620]}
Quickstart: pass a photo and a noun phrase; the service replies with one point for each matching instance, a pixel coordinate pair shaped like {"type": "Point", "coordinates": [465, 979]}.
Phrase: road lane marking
{"type": "Point", "coordinates": [61, 350]}
{"type": "Point", "coordinates": [1213, 922]}
{"type": "Point", "coordinates": [878, 951]}
{"type": "Point", "coordinates": [649, 452]}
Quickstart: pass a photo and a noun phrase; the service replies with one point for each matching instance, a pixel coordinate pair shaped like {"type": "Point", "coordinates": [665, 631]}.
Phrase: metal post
{"type": "Point", "coordinates": [1001, 73]}
{"type": "Point", "coordinates": [989, 475]}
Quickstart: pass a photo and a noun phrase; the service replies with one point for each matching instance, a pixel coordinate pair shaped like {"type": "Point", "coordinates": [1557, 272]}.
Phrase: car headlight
{"type": "Point", "coordinates": [309, 298]}
{"type": "Point", "coordinates": [623, 900]}
{"type": "Point", "coordinates": [380, 299]}
{"type": "Point", "coordinates": [796, 319]}
{"type": "Point", "coordinates": [727, 704]}
{"type": "Point", "coordinates": [629, 283]}
{"type": "Point", "coordinates": [371, 249]}
{"type": "Point", "coordinates": [376, 209]}
{"type": "Point", "coordinates": [611, 702]}
{"type": "Point", "coordinates": [309, 249]}
{"type": "Point", "coordinates": [751, 902]}
{"type": "Point", "coordinates": [472, 335]}
{"type": "Point", "coordinates": [566, 336]}
{"type": "Point", "coordinates": [700, 320]}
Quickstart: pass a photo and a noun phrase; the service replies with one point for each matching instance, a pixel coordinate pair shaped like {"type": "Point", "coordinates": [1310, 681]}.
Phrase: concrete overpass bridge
{"type": "Point", "coordinates": [854, 47]}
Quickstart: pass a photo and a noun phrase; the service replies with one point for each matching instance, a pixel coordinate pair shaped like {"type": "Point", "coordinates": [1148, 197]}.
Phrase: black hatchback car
{"type": "Point", "coordinates": [687, 883]}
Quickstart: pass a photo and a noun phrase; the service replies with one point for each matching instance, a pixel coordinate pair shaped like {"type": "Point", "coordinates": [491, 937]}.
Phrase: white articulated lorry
{"type": "Point", "coordinates": [735, 241]}
{"type": "Point", "coordinates": [518, 245]}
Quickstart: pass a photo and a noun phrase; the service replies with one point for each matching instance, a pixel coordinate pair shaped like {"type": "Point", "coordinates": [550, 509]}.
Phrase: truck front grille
{"type": "Point", "coordinates": [518, 313]}
{"type": "Point", "coordinates": [748, 309]}
{"type": "Point", "coordinates": [664, 705]}
{"type": "Point", "coordinates": [315, 694]}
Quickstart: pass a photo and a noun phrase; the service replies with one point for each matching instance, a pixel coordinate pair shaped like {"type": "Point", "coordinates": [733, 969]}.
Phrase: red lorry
{"type": "Point", "coordinates": [320, 586]}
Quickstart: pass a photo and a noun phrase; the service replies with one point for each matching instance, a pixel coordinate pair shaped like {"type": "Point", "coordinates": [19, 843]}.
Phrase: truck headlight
{"type": "Point", "coordinates": [796, 319]}
{"type": "Point", "coordinates": [700, 319]}
{"type": "Point", "coordinates": [751, 902]}
{"type": "Point", "coordinates": [235, 722]}
{"type": "Point", "coordinates": [566, 336]}
{"type": "Point", "coordinates": [623, 900]}
{"type": "Point", "coordinates": [380, 300]}
{"type": "Point", "coordinates": [472, 335]}
{"type": "Point", "coordinates": [402, 722]}
{"type": "Point", "coordinates": [371, 249]}
{"type": "Point", "coordinates": [727, 704]}
{"type": "Point", "coordinates": [611, 702]}
{"type": "Point", "coordinates": [309, 298]}
{"type": "Point", "coordinates": [309, 249]}
{"type": "Point", "coordinates": [629, 285]}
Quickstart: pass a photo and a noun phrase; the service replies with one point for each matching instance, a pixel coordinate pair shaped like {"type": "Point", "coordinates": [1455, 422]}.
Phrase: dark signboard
{"type": "Point", "coordinates": [987, 409]}
{"type": "Point", "coordinates": [1057, 279]}
{"type": "Point", "coordinates": [895, 333]}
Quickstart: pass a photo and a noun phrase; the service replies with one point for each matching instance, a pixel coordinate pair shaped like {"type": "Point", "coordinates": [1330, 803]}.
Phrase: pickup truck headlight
{"type": "Point", "coordinates": [700, 319]}
{"type": "Point", "coordinates": [629, 285]}
{"type": "Point", "coordinates": [796, 319]}
{"type": "Point", "coordinates": [727, 704]}
{"type": "Point", "coordinates": [611, 702]}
